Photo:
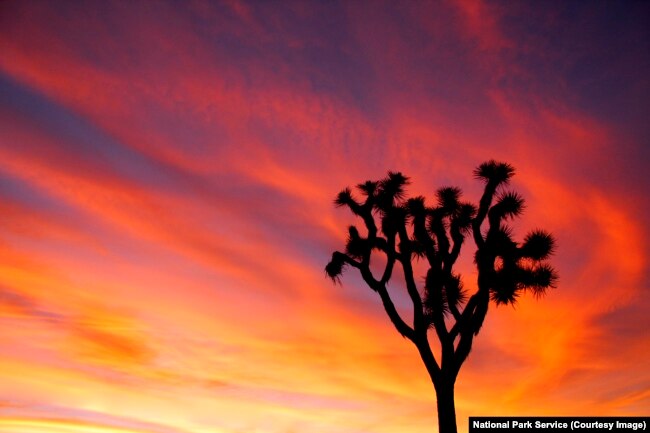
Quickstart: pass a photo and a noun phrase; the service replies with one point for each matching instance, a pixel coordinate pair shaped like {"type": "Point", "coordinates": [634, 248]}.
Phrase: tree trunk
{"type": "Point", "coordinates": [446, 407]}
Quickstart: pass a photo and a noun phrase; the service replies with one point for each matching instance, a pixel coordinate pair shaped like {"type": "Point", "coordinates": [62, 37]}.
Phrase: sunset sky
{"type": "Point", "coordinates": [167, 176]}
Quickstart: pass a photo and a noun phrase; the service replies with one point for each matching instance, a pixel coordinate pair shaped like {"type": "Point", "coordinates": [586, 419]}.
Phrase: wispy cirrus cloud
{"type": "Point", "coordinates": [166, 186]}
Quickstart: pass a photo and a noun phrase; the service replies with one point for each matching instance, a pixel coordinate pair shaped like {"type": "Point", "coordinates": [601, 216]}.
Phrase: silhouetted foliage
{"type": "Point", "coordinates": [406, 229]}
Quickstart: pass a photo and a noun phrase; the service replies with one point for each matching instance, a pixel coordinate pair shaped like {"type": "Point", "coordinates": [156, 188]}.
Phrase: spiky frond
{"type": "Point", "coordinates": [494, 172]}
{"type": "Point", "coordinates": [505, 290]}
{"type": "Point", "coordinates": [334, 269]}
{"type": "Point", "coordinates": [448, 198]}
{"type": "Point", "coordinates": [417, 211]}
{"type": "Point", "coordinates": [434, 300]}
{"type": "Point", "coordinates": [396, 181]}
{"type": "Point", "coordinates": [546, 276]}
{"type": "Point", "coordinates": [391, 190]}
{"type": "Point", "coordinates": [538, 245]}
{"type": "Point", "coordinates": [504, 296]}
{"type": "Point", "coordinates": [344, 198]}
{"type": "Point", "coordinates": [500, 241]}
{"type": "Point", "coordinates": [541, 278]}
{"type": "Point", "coordinates": [513, 278]}
{"type": "Point", "coordinates": [368, 188]}
{"type": "Point", "coordinates": [417, 248]}
{"type": "Point", "coordinates": [415, 207]}
{"type": "Point", "coordinates": [455, 291]}
{"type": "Point", "coordinates": [356, 246]}
{"type": "Point", "coordinates": [393, 219]}
{"type": "Point", "coordinates": [437, 225]}
{"type": "Point", "coordinates": [509, 205]}
{"type": "Point", "coordinates": [507, 269]}
{"type": "Point", "coordinates": [464, 216]}
{"type": "Point", "coordinates": [436, 220]}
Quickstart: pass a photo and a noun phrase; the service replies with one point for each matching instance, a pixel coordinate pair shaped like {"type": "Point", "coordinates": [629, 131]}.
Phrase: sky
{"type": "Point", "coordinates": [167, 176]}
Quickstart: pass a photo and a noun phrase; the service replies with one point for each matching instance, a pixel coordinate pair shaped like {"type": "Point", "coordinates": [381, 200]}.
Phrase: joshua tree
{"type": "Point", "coordinates": [403, 230]}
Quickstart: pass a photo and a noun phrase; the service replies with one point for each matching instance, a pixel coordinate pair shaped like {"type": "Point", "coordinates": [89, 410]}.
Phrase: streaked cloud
{"type": "Point", "coordinates": [166, 186]}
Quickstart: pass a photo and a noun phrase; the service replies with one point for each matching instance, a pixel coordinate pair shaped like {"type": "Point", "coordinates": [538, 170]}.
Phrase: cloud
{"type": "Point", "coordinates": [166, 186]}
{"type": "Point", "coordinates": [16, 304]}
{"type": "Point", "coordinates": [45, 418]}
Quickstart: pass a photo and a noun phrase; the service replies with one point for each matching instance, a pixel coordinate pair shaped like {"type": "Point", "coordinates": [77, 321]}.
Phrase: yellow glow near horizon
{"type": "Point", "coordinates": [17, 425]}
{"type": "Point", "coordinates": [166, 184]}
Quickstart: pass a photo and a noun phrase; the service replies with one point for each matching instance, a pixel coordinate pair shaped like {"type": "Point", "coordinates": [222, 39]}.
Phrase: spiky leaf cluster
{"type": "Point", "coordinates": [494, 172]}
{"type": "Point", "coordinates": [441, 229]}
{"type": "Point", "coordinates": [356, 246]}
{"type": "Point", "coordinates": [508, 205]}
{"type": "Point", "coordinates": [403, 229]}
{"type": "Point", "coordinates": [437, 233]}
{"type": "Point", "coordinates": [334, 269]}
{"type": "Point", "coordinates": [391, 191]}
{"type": "Point", "coordinates": [519, 268]}
{"type": "Point", "coordinates": [538, 245]}
{"type": "Point", "coordinates": [441, 292]}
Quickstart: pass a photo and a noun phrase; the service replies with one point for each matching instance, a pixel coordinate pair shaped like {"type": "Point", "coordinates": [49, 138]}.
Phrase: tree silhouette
{"type": "Point", "coordinates": [404, 230]}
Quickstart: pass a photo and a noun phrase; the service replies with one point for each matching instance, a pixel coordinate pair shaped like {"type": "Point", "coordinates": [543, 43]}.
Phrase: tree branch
{"type": "Point", "coordinates": [394, 316]}
{"type": "Point", "coordinates": [465, 316]}
{"type": "Point", "coordinates": [422, 236]}
{"type": "Point", "coordinates": [458, 239]}
{"type": "Point", "coordinates": [469, 330]}
{"type": "Point", "coordinates": [455, 313]}
{"type": "Point", "coordinates": [422, 344]}
{"type": "Point", "coordinates": [438, 228]}
{"type": "Point", "coordinates": [380, 288]}
{"type": "Point", "coordinates": [405, 260]}
{"type": "Point", "coordinates": [484, 206]}
{"type": "Point", "coordinates": [390, 260]}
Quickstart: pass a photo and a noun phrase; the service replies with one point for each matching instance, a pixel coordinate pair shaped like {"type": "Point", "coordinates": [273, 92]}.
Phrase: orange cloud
{"type": "Point", "coordinates": [168, 178]}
